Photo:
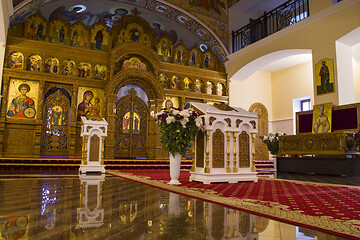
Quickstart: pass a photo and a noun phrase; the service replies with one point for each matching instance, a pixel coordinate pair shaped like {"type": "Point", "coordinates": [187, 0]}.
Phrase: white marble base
{"type": "Point", "coordinates": [208, 178]}
{"type": "Point", "coordinates": [92, 168]}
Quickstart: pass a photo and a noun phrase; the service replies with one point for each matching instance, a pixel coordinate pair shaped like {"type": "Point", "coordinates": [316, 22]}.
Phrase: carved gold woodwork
{"type": "Point", "coordinates": [211, 120]}
{"type": "Point", "coordinates": [253, 123]}
{"type": "Point", "coordinates": [228, 121]}
{"type": "Point", "coordinates": [218, 154]}
{"type": "Point", "coordinates": [235, 169]}
{"type": "Point", "coordinates": [148, 81]}
{"type": "Point", "coordinates": [244, 150]}
{"type": "Point", "coordinates": [261, 151]}
{"type": "Point", "coordinates": [131, 142]}
{"type": "Point", "coordinates": [253, 137]}
{"type": "Point", "coordinates": [84, 151]}
{"type": "Point", "coordinates": [94, 148]}
{"type": "Point", "coordinates": [55, 130]}
{"type": "Point", "coordinates": [102, 150]}
{"type": "Point", "coordinates": [333, 143]}
{"type": "Point", "coordinates": [238, 122]}
{"type": "Point", "coordinates": [228, 135]}
{"type": "Point", "coordinates": [200, 149]}
{"type": "Point", "coordinates": [19, 140]}
{"type": "Point", "coordinates": [207, 160]}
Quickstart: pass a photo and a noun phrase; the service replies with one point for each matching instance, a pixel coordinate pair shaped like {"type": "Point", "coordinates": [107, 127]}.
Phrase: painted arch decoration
{"type": "Point", "coordinates": [213, 34]}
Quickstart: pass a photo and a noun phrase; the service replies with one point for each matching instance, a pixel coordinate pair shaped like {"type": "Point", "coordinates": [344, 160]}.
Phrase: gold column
{"type": "Point", "coordinates": [207, 228]}
{"type": "Point", "coordinates": [110, 139]}
{"type": "Point", "coordinates": [102, 150]}
{"type": "Point", "coordinates": [228, 169]}
{"type": "Point", "coordinates": [193, 159]}
{"type": "Point", "coordinates": [253, 137]}
{"type": "Point", "coordinates": [207, 168]}
{"type": "Point", "coordinates": [235, 169]}
{"type": "Point", "coordinates": [235, 234]}
{"type": "Point", "coordinates": [84, 151]}
{"type": "Point", "coordinates": [228, 233]}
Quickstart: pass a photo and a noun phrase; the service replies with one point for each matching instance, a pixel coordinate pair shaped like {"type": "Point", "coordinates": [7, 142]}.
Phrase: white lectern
{"type": "Point", "coordinates": [224, 152]}
{"type": "Point", "coordinates": [93, 133]}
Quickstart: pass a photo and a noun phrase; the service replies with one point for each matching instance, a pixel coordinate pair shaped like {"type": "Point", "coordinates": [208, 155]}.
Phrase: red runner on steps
{"type": "Point", "coordinates": [325, 207]}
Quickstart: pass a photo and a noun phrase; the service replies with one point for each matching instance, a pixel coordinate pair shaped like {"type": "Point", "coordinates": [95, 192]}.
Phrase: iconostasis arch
{"type": "Point", "coordinates": [132, 28]}
{"type": "Point", "coordinates": [131, 50]}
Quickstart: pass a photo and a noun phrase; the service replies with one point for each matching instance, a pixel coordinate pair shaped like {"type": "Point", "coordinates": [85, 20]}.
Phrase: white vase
{"type": "Point", "coordinates": [175, 162]}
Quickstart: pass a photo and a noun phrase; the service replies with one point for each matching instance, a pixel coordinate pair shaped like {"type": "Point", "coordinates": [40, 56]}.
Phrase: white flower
{"type": "Point", "coordinates": [158, 113]}
{"type": "Point", "coordinates": [185, 113]}
{"type": "Point", "coordinates": [174, 111]}
{"type": "Point", "coordinates": [170, 119]}
{"type": "Point", "coordinates": [271, 138]}
{"type": "Point", "coordinates": [177, 130]}
{"type": "Point", "coordinates": [198, 122]}
{"type": "Point", "coordinates": [266, 138]}
{"type": "Point", "coordinates": [184, 121]}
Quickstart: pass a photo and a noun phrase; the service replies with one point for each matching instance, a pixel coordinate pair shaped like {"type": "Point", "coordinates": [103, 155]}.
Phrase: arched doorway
{"type": "Point", "coordinates": [131, 124]}
{"type": "Point", "coordinates": [261, 152]}
{"type": "Point", "coordinates": [56, 119]}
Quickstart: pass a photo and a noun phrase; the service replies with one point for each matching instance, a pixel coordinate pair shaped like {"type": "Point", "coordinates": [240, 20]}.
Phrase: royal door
{"type": "Point", "coordinates": [131, 127]}
{"type": "Point", "coordinates": [56, 118]}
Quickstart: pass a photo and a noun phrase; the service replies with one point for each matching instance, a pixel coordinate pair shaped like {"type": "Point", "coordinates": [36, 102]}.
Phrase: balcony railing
{"type": "Point", "coordinates": [281, 17]}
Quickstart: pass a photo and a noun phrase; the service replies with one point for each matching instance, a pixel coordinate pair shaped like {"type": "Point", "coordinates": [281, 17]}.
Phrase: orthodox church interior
{"type": "Point", "coordinates": [294, 64]}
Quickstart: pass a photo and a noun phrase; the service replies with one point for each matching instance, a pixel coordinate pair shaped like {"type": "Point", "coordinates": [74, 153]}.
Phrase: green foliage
{"type": "Point", "coordinates": [272, 142]}
{"type": "Point", "coordinates": [177, 129]}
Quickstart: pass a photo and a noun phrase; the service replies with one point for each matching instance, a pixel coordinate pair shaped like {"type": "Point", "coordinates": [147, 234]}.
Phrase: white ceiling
{"type": "Point", "coordinates": [286, 62]}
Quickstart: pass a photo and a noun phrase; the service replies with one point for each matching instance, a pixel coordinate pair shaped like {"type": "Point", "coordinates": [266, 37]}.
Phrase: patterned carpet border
{"type": "Point", "coordinates": [346, 227]}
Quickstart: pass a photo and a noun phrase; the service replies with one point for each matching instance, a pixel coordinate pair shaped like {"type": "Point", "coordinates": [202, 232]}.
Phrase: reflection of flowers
{"type": "Point", "coordinates": [272, 142]}
{"type": "Point", "coordinates": [178, 127]}
{"type": "Point", "coordinates": [176, 227]}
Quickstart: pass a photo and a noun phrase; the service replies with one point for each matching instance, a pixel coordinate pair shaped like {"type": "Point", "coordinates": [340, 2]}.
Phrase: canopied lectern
{"type": "Point", "coordinates": [93, 133]}
{"type": "Point", "coordinates": [225, 149]}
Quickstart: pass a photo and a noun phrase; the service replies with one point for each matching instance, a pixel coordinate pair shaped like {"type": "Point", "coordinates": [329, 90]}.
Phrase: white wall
{"type": "Point", "coordinates": [287, 84]}
{"type": "Point", "coordinates": [356, 70]}
{"type": "Point", "coordinates": [257, 88]}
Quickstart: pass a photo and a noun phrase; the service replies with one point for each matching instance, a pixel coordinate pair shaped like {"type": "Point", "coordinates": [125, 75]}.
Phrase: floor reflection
{"type": "Point", "coordinates": [105, 207]}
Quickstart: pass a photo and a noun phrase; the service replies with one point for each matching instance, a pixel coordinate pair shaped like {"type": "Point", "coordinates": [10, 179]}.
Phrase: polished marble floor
{"type": "Point", "coordinates": [66, 206]}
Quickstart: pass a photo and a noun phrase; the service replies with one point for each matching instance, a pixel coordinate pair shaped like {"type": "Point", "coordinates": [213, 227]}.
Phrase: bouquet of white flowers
{"type": "Point", "coordinates": [178, 127]}
{"type": "Point", "coordinates": [272, 142]}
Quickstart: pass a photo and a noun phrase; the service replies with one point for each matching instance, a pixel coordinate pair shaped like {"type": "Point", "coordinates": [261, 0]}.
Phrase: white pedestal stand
{"type": "Point", "coordinates": [93, 133]}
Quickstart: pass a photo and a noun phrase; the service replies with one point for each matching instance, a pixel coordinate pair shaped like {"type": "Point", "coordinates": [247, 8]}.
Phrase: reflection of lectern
{"type": "Point", "coordinates": [93, 133]}
{"type": "Point", "coordinates": [90, 214]}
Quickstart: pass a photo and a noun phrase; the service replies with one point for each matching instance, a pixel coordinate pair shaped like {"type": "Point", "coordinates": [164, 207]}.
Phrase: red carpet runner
{"type": "Point", "coordinates": [325, 207]}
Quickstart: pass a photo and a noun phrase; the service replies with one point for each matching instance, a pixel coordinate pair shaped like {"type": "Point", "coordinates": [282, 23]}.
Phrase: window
{"type": "Point", "coordinates": [305, 105]}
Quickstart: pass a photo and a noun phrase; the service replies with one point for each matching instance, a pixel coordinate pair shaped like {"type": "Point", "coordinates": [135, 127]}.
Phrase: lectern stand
{"type": "Point", "coordinates": [93, 133]}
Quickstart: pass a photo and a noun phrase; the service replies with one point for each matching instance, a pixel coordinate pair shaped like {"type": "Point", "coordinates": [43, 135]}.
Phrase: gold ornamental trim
{"type": "Point", "coordinates": [317, 144]}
